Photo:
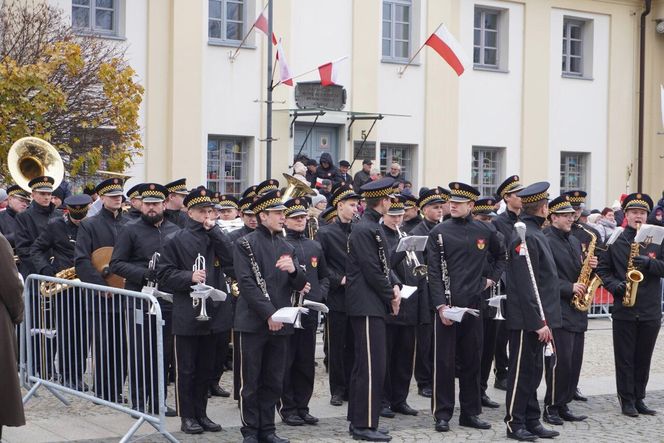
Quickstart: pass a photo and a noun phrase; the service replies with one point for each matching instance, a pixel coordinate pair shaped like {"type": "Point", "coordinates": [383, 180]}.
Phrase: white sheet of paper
{"type": "Point", "coordinates": [288, 314]}
{"type": "Point", "coordinates": [456, 314]}
{"type": "Point", "coordinates": [412, 243]}
{"type": "Point", "coordinates": [315, 306]}
{"type": "Point", "coordinates": [495, 301]}
{"type": "Point", "coordinates": [48, 333]}
{"type": "Point", "coordinates": [217, 295]}
{"type": "Point", "coordinates": [157, 293]}
{"type": "Point", "coordinates": [650, 234]}
{"type": "Point", "coordinates": [614, 235]}
{"type": "Point", "coordinates": [407, 291]}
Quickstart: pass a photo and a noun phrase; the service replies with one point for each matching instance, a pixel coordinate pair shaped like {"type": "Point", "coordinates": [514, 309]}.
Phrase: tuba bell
{"type": "Point", "coordinates": [295, 188]}
{"type": "Point", "coordinates": [31, 157]}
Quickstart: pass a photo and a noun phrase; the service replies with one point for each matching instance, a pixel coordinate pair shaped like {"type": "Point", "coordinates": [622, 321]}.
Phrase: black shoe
{"type": "Point", "coordinates": [218, 391]}
{"type": "Point", "coordinates": [543, 432]}
{"type": "Point", "coordinates": [368, 434]}
{"type": "Point", "coordinates": [308, 418]}
{"type": "Point", "coordinates": [208, 425]}
{"type": "Point", "coordinates": [578, 396]}
{"type": "Point", "coordinates": [405, 409]}
{"type": "Point", "coordinates": [488, 403]}
{"type": "Point", "coordinates": [274, 438]}
{"type": "Point", "coordinates": [442, 425]}
{"type": "Point", "coordinates": [250, 439]}
{"type": "Point", "coordinates": [293, 420]}
{"type": "Point", "coordinates": [425, 392]}
{"type": "Point", "coordinates": [381, 430]}
{"type": "Point", "coordinates": [629, 410]}
{"type": "Point", "coordinates": [191, 426]}
{"type": "Point", "coordinates": [567, 415]}
{"type": "Point", "coordinates": [473, 421]}
{"type": "Point", "coordinates": [643, 409]}
{"type": "Point", "coordinates": [500, 384]}
{"type": "Point", "coordinates": [552, 417]}
{"type": "Point", "coordinates": [387, 412]}
{"type": "Point", "coordinates": [336, 400]}
{"type": "Point", "coordinates": [170, 412]}
{"type": "Point", "coordinates": [521, 435]}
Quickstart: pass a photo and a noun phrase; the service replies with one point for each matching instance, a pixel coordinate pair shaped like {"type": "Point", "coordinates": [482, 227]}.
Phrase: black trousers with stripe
{"type": "Point", "coordinates": [300, 368]}
{"type": "Point", "coordinates": [500, 355]}
{"type": "Point", "coordinates": [423, 355]}
{"type": "Point", "coordinates": [563, 369]}
{"type": "Point", "coordinates": [222, 354]}
{"type": "Point", "coordinates": [633, 345]}
{"type": "Point", "coordinates": [368, 376]}
{"type": "Point", "coordinates": [194, 371]}
{"type": "Point", "coordinates": [400, 358]}
{"type": "Point", "coordinates": [460, 343]}
{"type": "Point", "coordinates": [523, 377]}
{"type": "Point", "coordinates": [262, 364]}
{"type": "Point", "coordinates": [490, 327]}
{"type": "Point", "coordinates": [340, 353]}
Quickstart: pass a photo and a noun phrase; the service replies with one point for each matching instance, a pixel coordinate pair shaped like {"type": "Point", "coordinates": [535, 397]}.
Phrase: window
{"type": "Point", "coordinates": [227, 165]}
{"type": "Point", "coordinates": [573, 171]}
{"type": "Point", "coordinates": [226, 20]}
{"type": "Point", "coordinates": [402, 154]}
{"type": "Point", "coordinates": [577, 47]}
{"type": "Point", "coordinates": [97, 16]}
{"type": "Point", "coordinates": [486, 28]}
{"type": "Point", "coordinates": [396, 30]}
{"type": "Point", "coordinates": [487, 169]}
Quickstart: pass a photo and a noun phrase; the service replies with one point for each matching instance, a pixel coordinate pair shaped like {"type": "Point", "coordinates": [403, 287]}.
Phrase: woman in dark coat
{"type": "Point", "coordinates": [11, 314]}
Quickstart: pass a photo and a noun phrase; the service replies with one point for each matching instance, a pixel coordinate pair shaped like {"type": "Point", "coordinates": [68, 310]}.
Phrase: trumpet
{"type": "Point", "coordinates": [200, 291]}
{"type": "Point", "coordinates": [411, 258]}
{"type": "Point", "coordinates": [151, 287]}
{"type": "Point", "coordinates": [495, 301]}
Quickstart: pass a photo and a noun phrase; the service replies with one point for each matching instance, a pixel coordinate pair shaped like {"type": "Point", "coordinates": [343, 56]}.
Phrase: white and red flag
{"type": "Point", "coordinates": [328, 73]}
{"type": "Point", "coordinates": [284, 72]}
{"type": "Point", "coordinates": [443, 42]}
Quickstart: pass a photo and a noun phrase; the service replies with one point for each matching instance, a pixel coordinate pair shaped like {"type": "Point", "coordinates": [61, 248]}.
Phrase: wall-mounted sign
{"type": "Point", "coordinates": [312, 95]}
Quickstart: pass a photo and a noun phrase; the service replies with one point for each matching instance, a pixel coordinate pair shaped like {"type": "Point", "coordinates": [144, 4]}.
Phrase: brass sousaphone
{"type": "Point", "coordinates": [31, 157]}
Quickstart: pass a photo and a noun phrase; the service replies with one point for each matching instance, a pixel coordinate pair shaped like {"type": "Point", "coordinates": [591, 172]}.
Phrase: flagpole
{"type": "Point", "coordinates": [410, 61]}
{"type": "Point", "coordinates": [311, 70]}
{"type": "Point", "coordinates": [268, 132]}
{"type": "Point", "coordinates": [246, 36]}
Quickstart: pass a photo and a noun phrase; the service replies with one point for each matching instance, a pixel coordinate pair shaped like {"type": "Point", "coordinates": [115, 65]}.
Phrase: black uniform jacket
{"type": "Point", "coordinates": [234, 235]}
{"type": "Point", "coordinates": [133, 214]}
{"type": "Point", "coordinates": [522, 309]}
{"type": "Point", "coordinates": [176, 217]}
{"type": "Point", "coordinates": [567, 254]}
{"type": "Point", "coordinates": [613, 269]}
{"type": "Point", "coordinates": [467, 244]}
{"type": "Point", "coordinates": [8, 225]}
{"type": "Point", "coordinates": [253, 308]}
{"type": "Point", "coordinates": [31, 223]}
{"type": "Point", "coordinates": [333, 238]}
{"type": "Point", "coordinates": [175, 269]}
{"type": "Point", "coordinates": [412, 223]}
{"type": "Point", "coordinates": [369, 290]}
{"type": "Point", "coordinates": [136, 243]}
{"type": "Point", "coordinates": [310, 255]}
{"type": "Point", "coordinates": [409, 308]}
{"type": "Point", "coordinates": [423, 228]}
{"type": "Point", "coordinates": [57, 240]}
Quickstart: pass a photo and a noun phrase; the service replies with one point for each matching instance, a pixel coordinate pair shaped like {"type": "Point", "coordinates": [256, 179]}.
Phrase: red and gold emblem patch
{"type": "Point", "coordinates": [314, 262]}
{"type": "Point", "coordinates": [652, 254]}
{"type": "Point", "coordinates": [481, 243]}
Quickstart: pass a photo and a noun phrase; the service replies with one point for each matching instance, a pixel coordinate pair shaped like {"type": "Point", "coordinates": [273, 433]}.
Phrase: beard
{"type": "Point", "coordinates": [152, 219]}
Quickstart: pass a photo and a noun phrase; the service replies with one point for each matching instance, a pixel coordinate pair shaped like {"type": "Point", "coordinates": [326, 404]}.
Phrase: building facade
{"type": "Point", "coordinates": [552, 93]}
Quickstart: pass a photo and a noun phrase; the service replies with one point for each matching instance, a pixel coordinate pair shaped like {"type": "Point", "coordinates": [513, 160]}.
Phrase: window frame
{"type": "Point", "coordinates": [487, 190]}
{"type": "Point", "coordinates": [567, 56]}
{"type": "Point", "coordinates": [408, 169]}
{"type": "Point", "coordinates": [223, 40]}
{"type": "Point", "coordinates": [481, 64]}
{"type": "Point", "coordinates": [92, 29]}
{"type": "Point", "coordinates": [392, 58]}
{"type": "Point", "coordinates": [221, 182]}
{"type": "Point", "coordinates": [583, 175]}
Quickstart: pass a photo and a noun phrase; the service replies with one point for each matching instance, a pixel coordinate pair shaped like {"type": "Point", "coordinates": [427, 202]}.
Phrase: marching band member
{"type": "Point", "coordinates": [177, 191]}
{"type": "Point", "coordinates": [372, 292]}
{"type": "Point", "coordinates": [267, 271]}
{"type": "Point", "coordinates": [196, 341]}
{"type": "Point", "coordinates": [334, 239]}
{"type": "Point", "coordinates": [227, 208]}
{"type": "Point", "coordinates": [431, 203]}
{"type": "Point", "coordinates": [17, 202]}
{"type": "Point", "coordinates": [134, 249]}
{"type": "Point", "coordinates": [107, 319]}
{"type": "Point", "coordinates": [507, 191]}
{"type": "Point", "coordinates": [58, 240]}
{"type": "Point", "coordinates": [134, 197]}
{"type": "Point", "coordinates": [635, 327]}
{"type": "Point", "coordinates": [411, 216]}
{"type": "Point", "coordinates": [529, 332]}
{"type": "Point", "coordinates": [300, 363]}
{"type": "Point", "coordinates": [465, 247]}
{"type": "Point", "coordinates": [563, 370]}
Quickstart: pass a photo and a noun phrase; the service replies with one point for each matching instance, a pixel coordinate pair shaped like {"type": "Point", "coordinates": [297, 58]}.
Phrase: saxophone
{"type": "Point", "coordinates": [591, 282]}
{"type": "Point", "coordinates": [633, 275]}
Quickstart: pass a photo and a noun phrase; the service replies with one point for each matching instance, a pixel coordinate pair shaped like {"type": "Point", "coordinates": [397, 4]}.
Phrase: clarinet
{"type": "Point", "coordinates": [381, 255]}
{"type": "Point", "coordinates": [254, 268]}
{"type": "Point", "coordinates": [446, 274]}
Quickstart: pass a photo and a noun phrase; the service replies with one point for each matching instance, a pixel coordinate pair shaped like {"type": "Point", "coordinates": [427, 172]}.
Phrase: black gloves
{"type": "Point", "coordinates": [641, 262]}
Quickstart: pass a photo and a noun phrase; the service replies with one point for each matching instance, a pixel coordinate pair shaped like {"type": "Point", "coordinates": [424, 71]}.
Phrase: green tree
{"type": "Point", "coordinates": [76, 91]}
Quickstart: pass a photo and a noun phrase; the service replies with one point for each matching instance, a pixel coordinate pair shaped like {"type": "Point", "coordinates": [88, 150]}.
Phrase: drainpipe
{"type": "Point", "coordinates": [642, 81]}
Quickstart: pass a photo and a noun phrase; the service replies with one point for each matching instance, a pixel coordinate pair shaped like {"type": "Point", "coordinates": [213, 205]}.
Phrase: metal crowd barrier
{"type": "Point", "coordinates": [601, 305]}
{"type": "Point", "coordinates": [96, 343]}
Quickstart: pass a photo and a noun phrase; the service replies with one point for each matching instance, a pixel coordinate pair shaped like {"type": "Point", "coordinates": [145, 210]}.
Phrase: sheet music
{"type": "Point", "coordinates": [288, 314]}
{"type": "Point", "coordinates": [407, 291]}
{"type": "Point", "coordinates": [412, 243]}
{"type": "Point", "coordinates": [614, 235]}
{"type": "Point", "coordinates": [650, 234]}
{"type": "Point", "coordinates": [315, 306]}
{"type": "Point", "coordinates": [456, 313]}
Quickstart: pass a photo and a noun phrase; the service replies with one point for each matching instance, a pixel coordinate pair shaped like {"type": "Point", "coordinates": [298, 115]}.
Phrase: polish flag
{"type": "Point", "coordinates": [443, 42]}
{"type": "Point", "coordinates": [284, 71]}
{"type": "Point", "coordinates": [328, 74]}
{"type": "Point", "coordinates": [262, 25]}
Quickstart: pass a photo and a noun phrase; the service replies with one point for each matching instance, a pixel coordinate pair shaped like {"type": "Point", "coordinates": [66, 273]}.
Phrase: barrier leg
{"type": "Point", "coordinates": [57, 395]}
{"type": "Point", "coordinates": [31, 392]}
{"type": "Point", "coordinates": [132, 430]}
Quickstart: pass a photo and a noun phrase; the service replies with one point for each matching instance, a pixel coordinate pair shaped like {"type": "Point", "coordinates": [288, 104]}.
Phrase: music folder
{"type": "Point", "coordinates": [650, 234]}
{"type": "Point", "coordinates": [412, 243]}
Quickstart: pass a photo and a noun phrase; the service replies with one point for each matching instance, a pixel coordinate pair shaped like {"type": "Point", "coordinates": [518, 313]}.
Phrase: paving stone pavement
{"type": "Point", "coordinates": [49, 420]}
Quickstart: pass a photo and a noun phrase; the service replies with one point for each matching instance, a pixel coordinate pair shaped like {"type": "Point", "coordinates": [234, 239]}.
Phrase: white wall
{"type": "Point", "coordinates": [490, 103]}
{"type": "Point", "coordinates": [579, 107]}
